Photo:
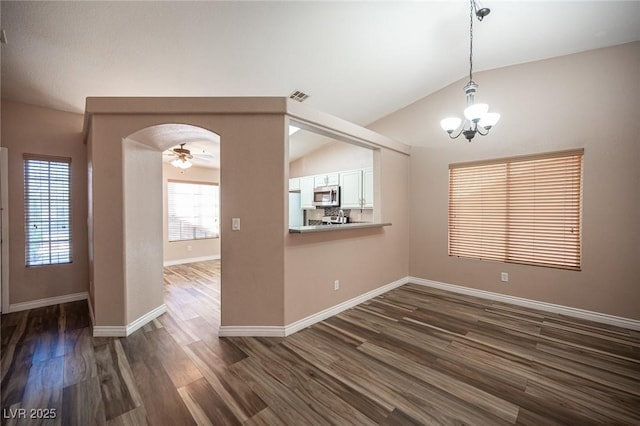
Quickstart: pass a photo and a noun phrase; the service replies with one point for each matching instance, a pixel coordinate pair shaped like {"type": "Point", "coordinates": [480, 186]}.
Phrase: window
{"type": "Point", "coordinates": [193, 211]}
{"type": "Point", "coordinates": [521, 210]}
{"type": "Point", "coordinates": [47, 206]}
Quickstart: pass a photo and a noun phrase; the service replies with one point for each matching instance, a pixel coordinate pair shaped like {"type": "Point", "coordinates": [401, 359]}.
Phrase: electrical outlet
{"type": "Point", "coordinates": [504, 277]}
{"type": "Point", "coordinates": [336, 285]}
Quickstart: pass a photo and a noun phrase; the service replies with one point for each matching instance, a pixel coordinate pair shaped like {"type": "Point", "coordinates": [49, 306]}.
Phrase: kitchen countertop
{"type": "Point", "coordinates": [336, 227]}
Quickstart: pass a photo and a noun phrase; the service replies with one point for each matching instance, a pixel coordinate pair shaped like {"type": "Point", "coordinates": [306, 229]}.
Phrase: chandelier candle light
{"type": "Point", "coordinates": [480, 120]}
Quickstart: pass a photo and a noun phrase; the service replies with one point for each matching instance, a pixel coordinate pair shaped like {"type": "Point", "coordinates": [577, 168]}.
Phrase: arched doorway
{"type": "Point", "coordinates": [188, 236]}
{"type": "Point", "coordinates": [159, 229]}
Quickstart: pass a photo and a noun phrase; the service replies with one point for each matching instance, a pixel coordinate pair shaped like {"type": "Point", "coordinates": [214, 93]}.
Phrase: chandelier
{"type": "Point", "coordinates": [478, 118]}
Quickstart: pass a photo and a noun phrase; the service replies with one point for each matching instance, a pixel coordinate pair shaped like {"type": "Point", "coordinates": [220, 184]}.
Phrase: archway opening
{"type": "Point", "coordinates": [171, 212]}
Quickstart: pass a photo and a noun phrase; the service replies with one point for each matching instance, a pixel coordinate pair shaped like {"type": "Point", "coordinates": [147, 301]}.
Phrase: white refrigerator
{"type": "Point", "coordinates": [296, 215]}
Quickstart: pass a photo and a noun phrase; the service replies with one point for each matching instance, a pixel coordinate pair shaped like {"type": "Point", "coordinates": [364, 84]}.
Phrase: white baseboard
{"type": "Point", "coordinates": [283, 331]}
{"type": "Point", "coordinates": [33, 304]}
{"type": "Point", "coordinates": [109, 331]}
{"type": "Point", "coordinates": [191, 260]}
{"type": "Point", "coordinates": [125, 330]}
{"type": "Point", "coordinates": [534, 304]}
{"type": "Point", "coordinates": [322, 315]}
{"type": "Point", "coordinates": [251, 331]}
{"type": "Point", "coordinates": [91, 315]}
{"type": "Point", "coordinates": [146, 318]}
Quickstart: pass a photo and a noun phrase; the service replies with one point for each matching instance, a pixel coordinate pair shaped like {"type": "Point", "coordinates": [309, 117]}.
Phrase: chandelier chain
{"type": "Point", "coordinates": [471, 2]}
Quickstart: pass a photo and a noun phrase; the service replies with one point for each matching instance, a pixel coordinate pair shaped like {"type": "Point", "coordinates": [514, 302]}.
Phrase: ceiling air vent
{"type": "Point", "coordinates": [298, 96]}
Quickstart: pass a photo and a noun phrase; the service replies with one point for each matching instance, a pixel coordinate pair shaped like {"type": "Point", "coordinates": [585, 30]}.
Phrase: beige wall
{"type": "Point", "coordinates": [35, 130]}
{"type": "Point", "coordinates": [90, 255]}
{"type": "Point", "coordinates": [178, 251]}
{"type": "Point", "coordinates": [142, 169]}
{"type": "Point", "coordinates": [333, 157]}
{"type": "Point", "coordinates": [589, 100]}
{"type": "Point", "coordinates": [107, 226]}
{"type": "Point", "coordinates": [252, 147]}
{"type": "Point", "coordinates": [362, 260]}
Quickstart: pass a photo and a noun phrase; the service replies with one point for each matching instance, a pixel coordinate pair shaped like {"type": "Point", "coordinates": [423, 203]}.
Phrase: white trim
{"type": "Point", "coordinates": [126, 330]}
{"type": "Point", "coordinates": [191, 260]}
{"type": "Point", "coordinates": [252, 331]}
{"type": "Point", "coordinates": [33, 304]}
{"type": "Point", "coordinates": [283, 331]}
{"type": "Point", "coordinates": [4, 204]}
{"type": "Point", "coordinates": [109, 331]}
{"type": "Point", "coordinates": [322, 315]}
{"type": "Point", "coordinates": [91, 315]}
{"type": "Point", "coordinates": [146, 318]}
{"type": "Point", "coordinates": [534, 304]}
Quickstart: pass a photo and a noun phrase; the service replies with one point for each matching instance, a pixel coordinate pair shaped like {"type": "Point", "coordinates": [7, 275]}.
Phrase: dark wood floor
{"type": "Point", "coordinates": [411, 356]}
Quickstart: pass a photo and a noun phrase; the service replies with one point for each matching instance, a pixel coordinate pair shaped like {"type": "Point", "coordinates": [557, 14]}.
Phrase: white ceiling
{"type": "Point", "coordinates": [203, 144]}
{"type": "Point", "coordinates": [359, 60]}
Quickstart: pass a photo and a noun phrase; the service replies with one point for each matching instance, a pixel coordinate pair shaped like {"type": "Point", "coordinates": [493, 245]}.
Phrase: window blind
{"type": "Point", "coordinates": [47, 197]}
{"type": "Point", "coordinates": [524, 210]}
{"type": "Point", "coordinates": [193, 211]}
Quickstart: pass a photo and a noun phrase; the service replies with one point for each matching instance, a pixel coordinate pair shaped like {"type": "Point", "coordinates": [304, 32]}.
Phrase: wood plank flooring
{"type": "Point", "coordinates": [412, 356]}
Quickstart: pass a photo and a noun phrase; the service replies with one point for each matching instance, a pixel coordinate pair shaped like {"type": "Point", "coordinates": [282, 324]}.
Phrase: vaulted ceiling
{"type": "Point", "coordinates": [359, 60]}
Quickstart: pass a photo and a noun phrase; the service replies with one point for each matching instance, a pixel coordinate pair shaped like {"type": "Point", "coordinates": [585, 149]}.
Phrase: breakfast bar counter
{"type": "Point", "coordinates": [335, 227]}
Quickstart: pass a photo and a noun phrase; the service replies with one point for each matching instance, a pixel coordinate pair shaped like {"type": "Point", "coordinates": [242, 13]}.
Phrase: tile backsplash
{"type": "Point", "coordinates": [314, 217]}
{"type": "Point", "coordinates": [335, 211]}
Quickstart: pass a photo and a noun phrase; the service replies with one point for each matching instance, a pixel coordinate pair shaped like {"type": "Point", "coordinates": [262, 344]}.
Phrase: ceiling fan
{"type": "Point", "coordinates": [199, 154]}
{"type": "Point", "coordinates": [182, 156]}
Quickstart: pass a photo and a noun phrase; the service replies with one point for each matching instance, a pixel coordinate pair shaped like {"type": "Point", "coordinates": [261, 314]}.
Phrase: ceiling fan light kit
{"type": "Point", "coordinates": [478, 118]}
{"type": "Point", "coordinates": [183, 155]}
{"type": "Point", "coordinates": [181, 163]}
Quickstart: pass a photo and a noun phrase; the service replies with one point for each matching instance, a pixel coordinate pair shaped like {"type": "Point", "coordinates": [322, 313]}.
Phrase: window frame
{"type": "Point", "coordinates": [522, 210]}
{"type": "Point", "coordinates": [62, 202]}
{"type": "Point", "coordinates": [197, 227]}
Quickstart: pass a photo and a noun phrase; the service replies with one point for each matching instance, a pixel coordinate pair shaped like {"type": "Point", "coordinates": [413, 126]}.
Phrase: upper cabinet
{"type": "Point", "coordinates": [367, 188]}
{"type": "Point", "coordinates": [356, 189]}
{"type": "Point", "coordinates": [326, 180]}
{"type": "Point", "coordinates": [294, 184]}
{"type": "Point", "coordinates": [306, 192]}
{"type": "Point", "coordinates": [351, 189]}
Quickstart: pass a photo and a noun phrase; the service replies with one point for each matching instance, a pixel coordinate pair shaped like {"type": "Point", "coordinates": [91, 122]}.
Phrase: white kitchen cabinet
{"type": "Point", "coordinates": [326, 180]}
{"type": "Point", "coordinates": [367, 188]}
{"type": "Point", "coordinates": [356, 187]}
{"type": "Point", "coordinates": [306, 192]}
{"type": "Point", "coordinates": [351, 189]}
{"type": "Point", "coordinates": [294, 184]}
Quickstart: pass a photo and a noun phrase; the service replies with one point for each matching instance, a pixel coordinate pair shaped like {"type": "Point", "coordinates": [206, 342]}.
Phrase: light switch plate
{"type": "Point", "coordinates": [235, 224]}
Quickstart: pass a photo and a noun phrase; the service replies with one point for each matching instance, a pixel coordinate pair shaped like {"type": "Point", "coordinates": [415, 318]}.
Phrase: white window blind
{"type": "Point", "coordinates": [47, 206]}
{"type": "Point", "coordinates": [521, 210]}
{"type": "Point", "coordinates": [193, 210]}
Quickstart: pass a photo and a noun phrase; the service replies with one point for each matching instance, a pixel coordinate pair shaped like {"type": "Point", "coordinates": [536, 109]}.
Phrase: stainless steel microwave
{"type": "Point", "coordinates": [326, 196]}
